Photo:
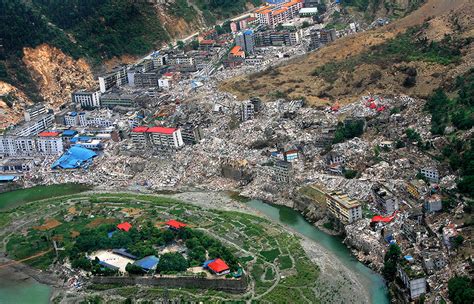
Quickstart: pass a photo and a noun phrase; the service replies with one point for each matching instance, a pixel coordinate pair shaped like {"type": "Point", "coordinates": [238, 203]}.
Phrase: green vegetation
{"type": "Point", "coordinates": [270, 255]}
{"type": "Point", "coordinates": [458, 111]}
{"type": "Point", "coordinates": [405, 47]}
{"type": "Point", "coordinates": [461, 290]}
{"type": "Point", "coordinates": [242, 240]}
{"type": "Point", "coordinates": [224, 8]}
{"type": "Point", "coordinates": [182, 9]}
{"type": "Point", "coordinates": [349, 129]}
{"type": "Point", "coordinates": [172, 262]}
{"type": "Point", "coordinates": [15, 198]}
{"type": "Point", "coordinates": [391, 260]}
{"type": "Point", "coordinates": [350, 174]}
{"type": "Point", "coordinates": [460, 156]}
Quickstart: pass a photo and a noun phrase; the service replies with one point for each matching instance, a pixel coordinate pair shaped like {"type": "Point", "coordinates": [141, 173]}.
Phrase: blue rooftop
{"type": "Point", "coordinates": [248, 32]}
{"type": "Point", "coordinates": [77, 156]}
{"type": "Point", "coordinates": [7, 178]}
{"type": "Point", "coordinates": [204, 265]}
{"type": "Point", "coordinates": [73, 114]}
{"type": "Point", "coordinates": [148, 263]}
{"type": "Point", "coordinates": [69, 133]}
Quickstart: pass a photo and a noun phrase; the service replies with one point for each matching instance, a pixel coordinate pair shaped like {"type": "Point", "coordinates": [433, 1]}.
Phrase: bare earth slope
{"type": "Point", "coordinates": [294, 78]}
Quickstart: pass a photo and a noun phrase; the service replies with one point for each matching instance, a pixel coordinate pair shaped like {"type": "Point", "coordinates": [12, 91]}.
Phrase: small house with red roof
{"type": "Point", "coordinates": [175, 225]}
{"type": "Point", "coordinates": [125, 226]}
{"type": "Point", "coordinates": [218, 267]}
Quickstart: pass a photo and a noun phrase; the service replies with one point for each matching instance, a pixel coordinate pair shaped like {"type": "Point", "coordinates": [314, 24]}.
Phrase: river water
{"type": "Point", "coordinates": [26, 292]}
{"type": "Point", "coordinates": [293, 219]}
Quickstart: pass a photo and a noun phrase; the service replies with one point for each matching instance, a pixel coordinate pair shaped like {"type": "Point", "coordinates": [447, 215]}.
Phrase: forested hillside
{"type": "Point", "coordinates": [96, 30]}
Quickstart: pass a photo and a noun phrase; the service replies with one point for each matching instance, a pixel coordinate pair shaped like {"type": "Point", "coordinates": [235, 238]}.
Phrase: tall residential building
{"type": "Point", "coordinates": [34, 126]}
{"type": "Point", "coordinates": [35, 111]}
{"type": "Point", "coordinates": [386, 201]}
{"type": "Point", "coordinates": [157, 137]}
{"type": "Point", "coordinates": [111, 100]}
{"type": "Point", "coordinates": [86, 99]}
{"type": "Point", "coordinates": [277, 13]}
{"type": "Point", "coordinates": [342, 207]}
{"type": "Point", "coordinates": [246, 41]}
{"type": "Point", "coordinates": [49, 143]}
{"type": "Point", "coordinates": [247, 111]}
{"type": "Point", "coordinates": [117, 77]}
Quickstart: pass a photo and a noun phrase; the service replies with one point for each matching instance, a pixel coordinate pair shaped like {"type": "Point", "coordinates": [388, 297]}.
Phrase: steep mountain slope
{"type": "Point", "coordinates": [377, 61]}
{"type": "Point", "coordinates": [50, 47]}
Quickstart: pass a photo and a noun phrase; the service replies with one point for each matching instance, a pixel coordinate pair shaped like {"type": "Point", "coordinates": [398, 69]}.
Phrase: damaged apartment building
{"type": "Point", "coordinates": [156, 138]}
{"type": "Point", "coordinates": [384, 199]}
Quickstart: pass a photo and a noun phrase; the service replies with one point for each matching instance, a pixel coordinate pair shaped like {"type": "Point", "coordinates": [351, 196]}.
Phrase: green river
{"type": "Point", "coordinates": [31, 292]}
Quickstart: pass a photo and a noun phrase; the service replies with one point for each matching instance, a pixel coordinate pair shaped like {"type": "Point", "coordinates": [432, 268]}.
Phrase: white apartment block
{"type": "Point", "coordinates": [87, 99]}
{"type": "Point", "coordinates": [49, 145]}
{"type": "Point", "coordinates": [343, 208]}
{"type": "Point", "coordinates": [34, 126]}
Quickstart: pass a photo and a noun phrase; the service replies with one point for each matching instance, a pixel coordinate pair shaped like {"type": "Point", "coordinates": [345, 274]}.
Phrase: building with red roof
{"type": "Point", "coordinates": [219, 267]}
{"type": "Point", "coordinates": [237, 51]}
{"type": "Point", "coordinates": [160, 137]}
{"type": "Point", "coordinates": [125, 226]}
{"type": "Point", "coordinates": [49, 134]}
{"type": "Point", "coordinates": [176, 225]}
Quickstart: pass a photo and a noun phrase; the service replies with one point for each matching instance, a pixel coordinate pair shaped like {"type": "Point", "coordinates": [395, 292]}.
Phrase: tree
{"type": "Point", "coordinates": [391, 259]}
{"type": "Point", "coordinates": [461, 290]}
{"type": "Point", "coordinates": [180, 44]}
{"type": "Point", "coordinates": [133, 269]}
{"type": "Point", "coordinates": [172, 262]}
{"type": "Point", "coordinates": [412, 135]}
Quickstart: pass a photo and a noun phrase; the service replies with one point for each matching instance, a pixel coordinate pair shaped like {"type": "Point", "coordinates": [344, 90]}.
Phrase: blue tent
{"type": "Point", "coordinates": [148, 263]}
{"type": "Point", "coordinates": [76, 157]}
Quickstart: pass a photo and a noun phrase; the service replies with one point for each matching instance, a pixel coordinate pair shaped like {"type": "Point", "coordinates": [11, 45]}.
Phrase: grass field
{"type": "Point", "coordinates": [15, 198]}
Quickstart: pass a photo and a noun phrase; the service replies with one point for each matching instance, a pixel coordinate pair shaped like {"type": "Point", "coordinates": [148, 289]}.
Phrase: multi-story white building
{"type": "Point", "coordinates": [343, 208]}
{"type": "Point", "coordinates": [431, 174]}
{"type": "Point", "coordinates": [158, 137]}
{"type": "Point", "coordinates": [49, 143]}
{"type": "Point", "coordinates": [87, 99]}
{"type": "Point", "coordinates": [71, 119]}
{"type": "Point", "coordinates": [165, 137]}
{"type": "Point", "coordinates": [117, 77]}
{"type": "Point", "coordinates": [35, 111]}
{"type": "Point", "coordinates": [180, 60]}
{"type": "Point", "coordinates": [34, 126]}
{"type": "Point", "coordinates": [272, 15]}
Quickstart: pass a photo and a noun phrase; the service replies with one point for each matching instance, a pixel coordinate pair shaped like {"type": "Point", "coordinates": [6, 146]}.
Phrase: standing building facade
{"type": "Point", "coordinates": [343, 208]}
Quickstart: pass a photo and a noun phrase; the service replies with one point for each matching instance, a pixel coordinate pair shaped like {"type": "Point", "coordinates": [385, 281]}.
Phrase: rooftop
{"type": "Point", "coordinates": [161, 130]}
{"type": "Point", "coordinates": [344, 200]}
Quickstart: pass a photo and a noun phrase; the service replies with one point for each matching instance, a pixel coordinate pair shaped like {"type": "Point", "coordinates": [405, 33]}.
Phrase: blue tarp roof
{"type": "Point", "coordinates": [69, 133]}
{"type": "Point", "coordinates": [148, 263]}
{"type": "Point", "coordinates": [74, 158]}
{"type": "Point", "coordinates": [73, 114]}
{"type": "Point", "coordinates": [7, 178]}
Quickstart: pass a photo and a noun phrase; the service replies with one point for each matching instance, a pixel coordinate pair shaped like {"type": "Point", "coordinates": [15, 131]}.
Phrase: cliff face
{"type": "Point", "coordinates": [57, 74]}
{"type": "Point", "coordinates": [12, 103]}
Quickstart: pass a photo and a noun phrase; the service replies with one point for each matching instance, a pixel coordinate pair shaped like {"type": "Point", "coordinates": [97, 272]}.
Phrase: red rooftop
{"type": "Point", "coordinates": [161, 130]}
{"type": "Point", "coordinates": [218, 266]}
{"type": "Point", "coordinates": [175, 224]}
{"type": "Point", "coordinates": [48, 134]}
{"type": "Point", "coordinates": [125, 226]}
